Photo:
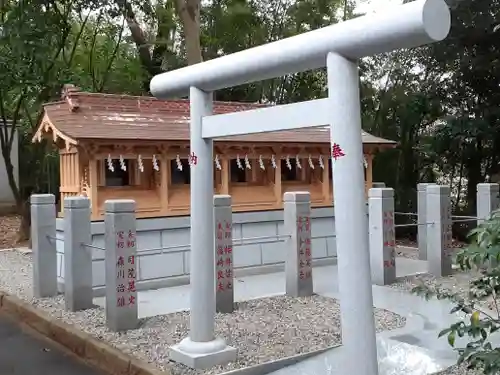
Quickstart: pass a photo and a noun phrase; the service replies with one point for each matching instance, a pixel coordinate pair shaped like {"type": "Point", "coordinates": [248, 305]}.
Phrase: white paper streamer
{"type": "Point", "coordinates": [273, 161]}
{"type": "Point", "coordinates": [238, 162]}
{"type": "Point", "coordinates": [178, 162]}
{"type": "Point", "coordinates": [111, 167]}
{"type": "Point", "coordinates": [122, 163]}
{"type": "Point", "coordinates": [155, 164]}
{"type": "Point", "coordinates": [217, 163]}
{"type": "Point", "coordinates": [140, 164]}
{"type": "Point", "coordinates": [311, 164]}
{"type": "Point", "coordinates": [247, 162]}
{"type": "Point", "coordinates": [261, 163]}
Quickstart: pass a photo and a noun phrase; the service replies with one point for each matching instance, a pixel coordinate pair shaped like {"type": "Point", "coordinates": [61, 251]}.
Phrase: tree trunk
{"type": "Point", "coordinates": [189, 13]}
{"type": "Point", "coordinates": [24, 228]}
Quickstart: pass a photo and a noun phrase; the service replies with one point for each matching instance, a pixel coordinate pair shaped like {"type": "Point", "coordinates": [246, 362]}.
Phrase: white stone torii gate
{"type": "Point", "coordinates": [338, 47]}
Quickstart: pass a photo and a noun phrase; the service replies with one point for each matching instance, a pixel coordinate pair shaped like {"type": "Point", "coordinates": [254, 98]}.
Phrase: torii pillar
{"type": "Point", "coordinates": [338, 47]}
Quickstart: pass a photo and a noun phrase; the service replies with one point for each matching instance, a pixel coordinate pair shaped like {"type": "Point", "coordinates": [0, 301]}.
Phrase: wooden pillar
{"type": "Point", "coordinates": [224, 174]}
{"type": "Point", "coordinates": [93, 173]}
{"type": "Point", "coordinates": [277, 182]}
{"type": "Point", "coordinates": [369, 172]}
{"type": "Point", "coordinates": [62, 184]}
{"type": "Point", "coordinates": [255, 167]}
{"type": "Point", "coordinates": [164, 172]}
{"type": "Point", "coordinates": [327, 198]}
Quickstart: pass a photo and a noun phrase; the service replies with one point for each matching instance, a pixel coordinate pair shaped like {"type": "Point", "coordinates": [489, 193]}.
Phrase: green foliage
{"type": "Point", "coordinates": [440, 103]}
{"type": "Point", "coordinates": [482, 256]}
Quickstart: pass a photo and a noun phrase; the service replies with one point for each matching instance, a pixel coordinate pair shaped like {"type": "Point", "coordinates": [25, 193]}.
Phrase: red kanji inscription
{"type": "Point", "coordinates": [193, 159]}
{"type": "Point", "coordinates": [220, 250]}
{"type": "Point", "coordinates": [131, 286]}
{"type": "Point", "coordinates": [131, 273]}
{"type": "Point", "coordinates": [120, 262]}
{"type": "Point", "coordinates": [120, 302]}
{"type": "Point", "coordinates": [337, 151]}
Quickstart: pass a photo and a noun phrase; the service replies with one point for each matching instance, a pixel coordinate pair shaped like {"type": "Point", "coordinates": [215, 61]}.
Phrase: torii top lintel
{"type": "Point", "coordinates": [405, 26]}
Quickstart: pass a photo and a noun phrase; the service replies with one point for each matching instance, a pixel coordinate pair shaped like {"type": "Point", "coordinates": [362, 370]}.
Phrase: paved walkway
{"type": "Point", "coordinates": [168, 300]}
{"type": "Point", "coordinates": [23, 352]}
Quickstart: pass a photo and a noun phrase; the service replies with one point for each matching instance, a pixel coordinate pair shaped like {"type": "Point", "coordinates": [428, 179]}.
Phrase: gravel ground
{"type": "Point", "coordinates": [262, 330]}
{"type": "Point", "coordinates": [409, 249]}
{"type": "Point", "coordinates": [9, 226]}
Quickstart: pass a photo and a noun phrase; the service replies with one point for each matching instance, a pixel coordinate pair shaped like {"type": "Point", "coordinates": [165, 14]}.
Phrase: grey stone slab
{"type": "Point", "coordinates": [44, 244]}
{"type": "Point", "coordinates": [298, 266]}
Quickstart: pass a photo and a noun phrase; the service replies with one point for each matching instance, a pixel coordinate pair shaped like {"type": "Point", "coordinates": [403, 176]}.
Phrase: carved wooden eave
{"type": "Point", "coordinates": [46, 127]}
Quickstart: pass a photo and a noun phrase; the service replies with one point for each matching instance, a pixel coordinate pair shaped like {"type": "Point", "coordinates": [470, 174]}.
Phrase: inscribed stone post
{"type": "Point", "coordinates": [43, 234]}
{"type": "Point", "coordinates": [120, 263]}
{"type": "Point", "coordinates": [223, 221]}
{"type": "Point", "coordinates": [487, 200]}
{"type": "Point", "coordinates": [382, 235]}
{"type": "Point", "coordinates": [422, 219]}
{"type": "Point", "coordinates": [77, 257]}
{"type": "Point", "coordinates": [439, 230]}
{"type": "Point", "coordinates": [298, 267]}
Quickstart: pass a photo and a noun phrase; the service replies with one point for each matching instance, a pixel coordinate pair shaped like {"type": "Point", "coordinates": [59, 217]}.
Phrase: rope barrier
{"type": "Point", "coordinates": [465, 217]}
{"type": "Point", "coordinates": [463, 220]}
{"type": "Point", "coordinates": [55, 238]}
{"type": "Point", "coordinates": [405, 213]}
{"type": "Point", "coordinates": [93, 246]}
{"type": "Point", "coordinates": [411, 225]}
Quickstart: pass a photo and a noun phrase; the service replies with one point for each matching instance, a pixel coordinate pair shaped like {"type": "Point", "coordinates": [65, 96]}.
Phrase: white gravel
{"type": "Point", "coordinates": [407, 252]}
{"type": "Point", "coordinates": [261, 330]}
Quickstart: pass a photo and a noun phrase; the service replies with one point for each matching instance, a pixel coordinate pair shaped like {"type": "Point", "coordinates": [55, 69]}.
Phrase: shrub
{"type": "Point", "coordinates": [482, 254]}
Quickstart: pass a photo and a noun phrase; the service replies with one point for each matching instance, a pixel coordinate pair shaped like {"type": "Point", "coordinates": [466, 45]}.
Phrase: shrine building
{"type": "Point", "coordinates": [129, 147]}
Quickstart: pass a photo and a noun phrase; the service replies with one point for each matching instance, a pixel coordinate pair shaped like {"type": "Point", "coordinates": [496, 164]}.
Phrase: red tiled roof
{"type": "Point", "coordinates": [83, 115]}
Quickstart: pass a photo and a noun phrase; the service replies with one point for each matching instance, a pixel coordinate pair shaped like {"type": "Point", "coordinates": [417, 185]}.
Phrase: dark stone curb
{"type": "Point", "coordinates": [93, 351]}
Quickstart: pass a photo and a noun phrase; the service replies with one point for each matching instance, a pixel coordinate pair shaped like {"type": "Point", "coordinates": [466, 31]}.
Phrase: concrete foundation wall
{"type": "Point", "coordinates": [159, 266]}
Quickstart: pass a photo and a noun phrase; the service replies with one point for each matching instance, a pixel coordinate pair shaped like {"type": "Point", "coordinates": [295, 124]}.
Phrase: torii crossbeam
{"type": "Point", "coordinates": [338, 47]}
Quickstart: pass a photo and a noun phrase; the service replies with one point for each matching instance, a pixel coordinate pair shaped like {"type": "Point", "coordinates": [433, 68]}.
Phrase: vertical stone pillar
{"type": "Point", "coordinates": [487, 200]}
{"type": "Point", "coordinates": [223, 221]}
{"type": "Point", "coordinates": [422, 219]}
{"type": "Point", "coordinates": [43, 234]}
{"type": "Point", "coordinates": [382, 236]}
{"type": "Point", "coordinates": [298, 268]}
{"type": "Point", "coordinates": [120, 264]}
{"type": "Point", "coordinates": [77, 258]}
{"type": "Point", "coordinates": [201, 349]}
{"type": "Point", "coordinates": [351, 224]}
{"type": "Point", "coordinates": [439, 235]}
